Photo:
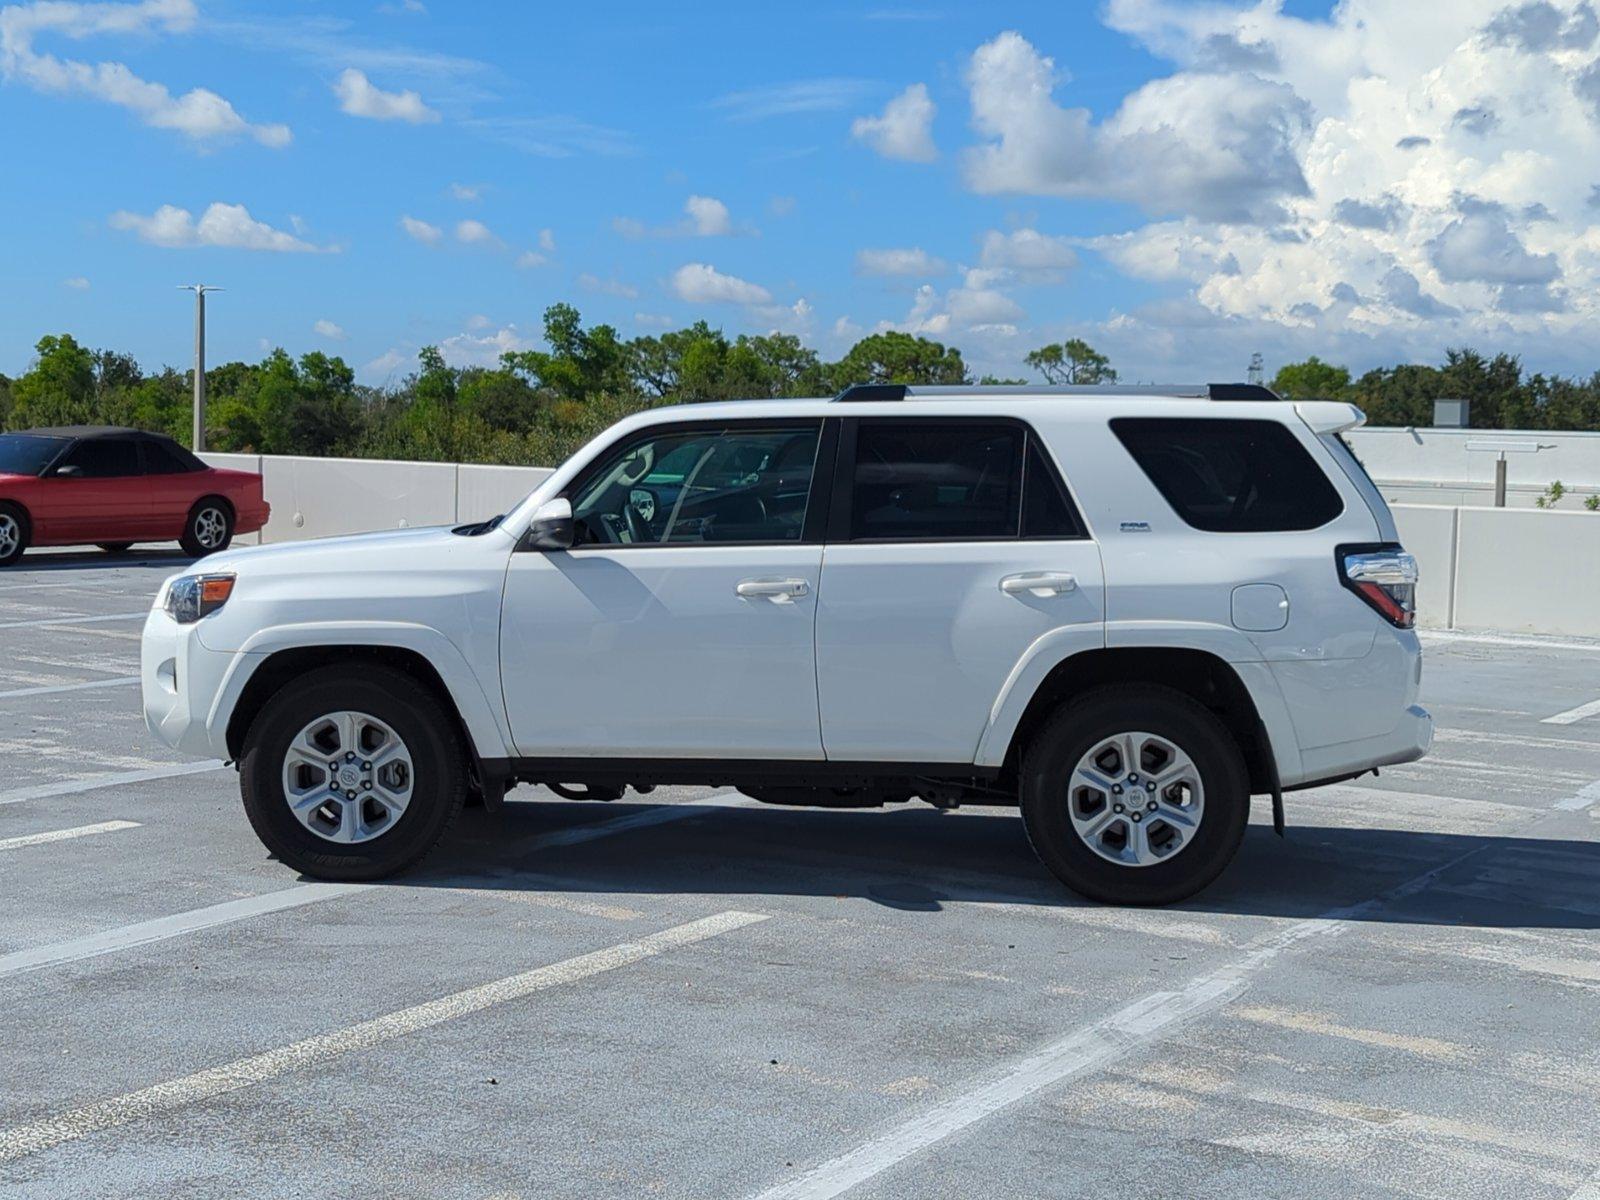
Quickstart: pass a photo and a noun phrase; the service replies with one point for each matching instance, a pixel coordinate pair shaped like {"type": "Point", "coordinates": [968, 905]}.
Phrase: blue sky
{"type": "Point", "coordinates": [1179, 183]}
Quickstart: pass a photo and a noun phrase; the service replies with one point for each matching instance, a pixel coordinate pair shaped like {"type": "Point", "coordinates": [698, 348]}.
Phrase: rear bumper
{"type": "Point", "coordinates": [1409, 740]}
{"type": "Point", "coordinates": [250, 520]}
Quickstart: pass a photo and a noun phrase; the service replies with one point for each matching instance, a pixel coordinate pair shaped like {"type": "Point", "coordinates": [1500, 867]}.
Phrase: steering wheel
{"type": "Point", "coordinates": [638, 531]}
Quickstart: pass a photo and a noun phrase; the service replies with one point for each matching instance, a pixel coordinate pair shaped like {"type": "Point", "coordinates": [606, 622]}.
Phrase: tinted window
{"type": "Point", "coordinates": [1045, 511]}
{"type": "Point", "coordinates": [1231, 476]}
{"type": "Point", "coordinates": [103, 458]}
{"type": "Point", "coordinates": [24, 455]}
{"type": "Point", "coordinates": [164, 458]}
{"type": "Point", "coordinates": [932, 481]}
{"type": "Point", "coordinates": [712, 485]}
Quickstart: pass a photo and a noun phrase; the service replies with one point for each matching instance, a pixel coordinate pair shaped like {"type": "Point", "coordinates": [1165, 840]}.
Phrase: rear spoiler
{"type": "Point", "coordinates": [1330, 416]}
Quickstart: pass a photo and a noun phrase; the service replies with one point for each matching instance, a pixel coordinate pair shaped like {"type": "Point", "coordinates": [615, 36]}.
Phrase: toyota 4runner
{"type": "Point", "coordinates": [1124, 610]}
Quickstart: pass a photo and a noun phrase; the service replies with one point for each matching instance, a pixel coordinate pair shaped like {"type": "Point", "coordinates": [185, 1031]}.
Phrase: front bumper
{"type": "Point", "coordinates": [183, 686]}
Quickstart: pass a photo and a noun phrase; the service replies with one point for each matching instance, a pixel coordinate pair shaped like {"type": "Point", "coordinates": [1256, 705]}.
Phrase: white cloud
{"type": "Point", "coordinates": [327, 329]}
{"type": "Point", "coordinates": [781, 206]}
{"type": "Point", "coordinates": [482, 349]}
{"type": "Point", "coordinates": [607, 287]}
{"type": "Point", "coordinates": [77, 283]}
{"type": "Point", "coordinates": [709, 216]}
{"type": "Point", "coordinates": [223, 225]}
{"type": "Point", "coordinates": [414, 8]}
{"type": "Point", "coordinates": [475, 233]}
{"type": "Point", "coordinates": [1027, 256]}
{"type": "Point", "coordinates": [904, 129]}
{"type": "Point", "coordinates": [913, 263]}
{"type": "Point", "coordinates": [360, 98]}
{"type": "Point", "coordinates": [465, 192]}
{"type": "Point", "coordinates": [547, 240]}
{"type": "Point", "coordinates": [786, 99]}
{"type": "Point", "coordinates": [630, 227]}
{"type": "Point", "coordinates": [529, 259]}
{"type": "Point", "coordinates": [199, 114]}
{"type": "Point", "coordinates": [421, 231]}
{"type": "Point", "coordinates": [699, 283]}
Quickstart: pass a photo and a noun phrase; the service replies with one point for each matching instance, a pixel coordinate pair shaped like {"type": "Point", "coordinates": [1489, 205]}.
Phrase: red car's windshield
{"type": "Point", "coordinates": [25, 454]}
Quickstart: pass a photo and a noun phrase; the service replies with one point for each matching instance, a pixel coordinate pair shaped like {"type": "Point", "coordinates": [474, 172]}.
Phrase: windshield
{"type": "Point", "coordinates": [23, 454]}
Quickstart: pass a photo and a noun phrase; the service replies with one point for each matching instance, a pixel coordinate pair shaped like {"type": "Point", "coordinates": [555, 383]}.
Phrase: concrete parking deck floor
{"type": "Point", "coordinates": [688, 995]}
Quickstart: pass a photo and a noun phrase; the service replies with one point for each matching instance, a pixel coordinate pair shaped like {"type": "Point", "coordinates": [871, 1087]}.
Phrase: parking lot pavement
{"type": "Point", "coordinates": [688, 994]}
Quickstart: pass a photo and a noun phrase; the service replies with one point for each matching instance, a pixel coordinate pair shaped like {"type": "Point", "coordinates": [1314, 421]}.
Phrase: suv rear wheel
{"type": "Point", "coordinates": [1135, 794]}
{"type": "Point", "coordinates": [352, 776]}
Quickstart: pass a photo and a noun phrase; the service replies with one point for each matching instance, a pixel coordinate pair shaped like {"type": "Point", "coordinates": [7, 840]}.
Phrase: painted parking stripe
{"type": "Point", "coordinates": [162, 928]}
{"type": "Point", "coordinates": [1573, 715]}
{"type": "Point", "coordinates": [1081, 1052]}
{"type": "Point", "coordinates": [1589, 1189]}
{"type": "Point", "coordinates": [1586, 796]}
{"type": "Point", "coordinates": [63, 835]}
{"type": "Point", "coordinates": [45, 791]}
{"type": "Point", "coordinates": [1445, 636]}
{"type": "Point", "coordinates": [23, 1140]}
{"type": "Point", "coordinates": [55, 689]}
{"type": "Point", "coordinates": [130, 616]}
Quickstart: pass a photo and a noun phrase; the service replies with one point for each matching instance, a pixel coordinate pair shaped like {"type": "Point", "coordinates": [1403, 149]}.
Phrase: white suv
{"type": "Point", "coordinates": [1123, 609]}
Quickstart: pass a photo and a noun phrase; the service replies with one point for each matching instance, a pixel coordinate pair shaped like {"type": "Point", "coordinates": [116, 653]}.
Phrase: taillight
{"type": "Point", "coordinates": [1386, 578]}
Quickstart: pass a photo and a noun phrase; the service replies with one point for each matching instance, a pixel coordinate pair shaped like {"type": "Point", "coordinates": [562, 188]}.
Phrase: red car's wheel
{"type": "Point", "coordinates": [13, 533]}
{"type": "Point", "coordinates": [208, 529]}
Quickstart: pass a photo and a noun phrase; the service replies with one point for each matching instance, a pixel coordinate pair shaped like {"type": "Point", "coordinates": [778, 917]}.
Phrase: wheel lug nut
{"type": "Point", "coordinates": [366, 766]}
{"type": "Point", "coordinates": [1116, 789]}
{"type": "Point", "coordinates": [367, 787]}
{"type": "Point", "coordinates": [1137, 817]}
{"type": "Point", "coordinates": [1116, 808]}
{"type": "Point", "coordinates": [1149, 787]}
{"type": "Point", "coordinates": [349, 758]}
{"type": "Point", "coordinates": [1133, 779]}
{"type": "Point", "coordinates": [349, 795]}
{"type": "Point", "coordinates": [1151, 806]}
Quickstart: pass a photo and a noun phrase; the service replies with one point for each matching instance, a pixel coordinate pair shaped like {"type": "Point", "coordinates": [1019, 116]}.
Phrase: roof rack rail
{"type": "Point", "coordinates": [863, 392]}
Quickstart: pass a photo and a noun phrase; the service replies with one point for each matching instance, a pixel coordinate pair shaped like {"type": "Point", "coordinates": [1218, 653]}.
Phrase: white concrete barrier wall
{"type": "Point", "coordinates": [1430, 534]}
{"type": "Point", "coordinates": [1434, 466]}
{"type": "Point", "coordinates": [324, 497]}
{"type": "Point", "coordinates": [1538, 572]}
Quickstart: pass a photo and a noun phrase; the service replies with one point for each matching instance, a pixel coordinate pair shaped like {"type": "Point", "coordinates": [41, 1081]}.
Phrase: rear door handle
{"type": "Point", "coordinates": [779, 591]}
{"type": "Point", "coordinates": [1039, 583]}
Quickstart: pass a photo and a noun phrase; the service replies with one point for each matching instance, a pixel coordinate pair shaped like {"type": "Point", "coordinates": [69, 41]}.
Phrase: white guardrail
{"type": "Point", "coordinates": [1482, 568]}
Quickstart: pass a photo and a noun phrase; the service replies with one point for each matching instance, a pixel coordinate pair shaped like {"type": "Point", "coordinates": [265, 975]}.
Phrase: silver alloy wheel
{"type": "Point", "coordinates": [10, 534]}
{"type": "Point", "coordinates": [210, 527]}
{"type": "Point", "coordinates": [1136, 799]}
{"type": "Point", "coordinates": [347, 777]}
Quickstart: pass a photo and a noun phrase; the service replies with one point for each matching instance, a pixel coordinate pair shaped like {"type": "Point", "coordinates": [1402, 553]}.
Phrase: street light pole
{"type": "Point", "coordinates": [199, 290]}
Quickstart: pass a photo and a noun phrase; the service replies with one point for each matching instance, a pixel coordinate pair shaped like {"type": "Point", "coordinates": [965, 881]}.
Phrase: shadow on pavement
{"type": "Point", "coordinates": [918, 859]}
{"type": "Point", "coordinates": [88, 560]}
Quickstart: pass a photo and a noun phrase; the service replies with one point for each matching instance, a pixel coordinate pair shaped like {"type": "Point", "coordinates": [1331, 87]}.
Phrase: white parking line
{"type": "Point", "coordinates": [1490, 639]}
{"type": "Point", "coordinates": [1587, 795]}
{"type": "Point", "coordinates": [1088, 1049]}
{"type": "Point", "coordinates": [73, 786]}
{"type": "Point", "coordinates": [131, 616]}
{"type": "Point", "coordinates": [62, 835]}
{"type": "Point", "coordinates": [1573, 715]}
{"type": "Point", "coordinates": [1589, 1189]}
{"type": "Point", "coordinates": [54, 689]}
{"type": "Point", "coordinates": [161, 928]}
{"type": "Point", "coordinates": [23, 1140]}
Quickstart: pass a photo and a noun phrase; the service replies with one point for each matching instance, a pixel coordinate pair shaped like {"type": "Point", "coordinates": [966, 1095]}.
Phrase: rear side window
{"type": "Point", "coordinates": [103, 458]}
{"type": "Point", "coordinates": [163, 458]}
{"type": "Point", "coordinates": [1231, 476]}
{"type": "Point", "coordinates": [936, 482]}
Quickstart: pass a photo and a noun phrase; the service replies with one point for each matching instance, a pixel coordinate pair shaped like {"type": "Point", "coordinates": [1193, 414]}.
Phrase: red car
{"type": "Point", "coordinates": [108, 487]}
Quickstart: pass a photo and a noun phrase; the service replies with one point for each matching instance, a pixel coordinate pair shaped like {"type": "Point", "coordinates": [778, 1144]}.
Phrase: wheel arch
{"type": "Point", "coordinates": [1200, 674]}
{"type": "Point", "coordinates": [275, 657]}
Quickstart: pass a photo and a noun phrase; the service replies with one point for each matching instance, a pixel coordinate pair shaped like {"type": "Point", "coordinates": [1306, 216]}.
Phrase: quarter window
{"type": "Point", "coordinates": [1231, 476]}
{"type": "Point", "coordinates": [701, 486]}
{"type": "Point", "coordinates": [936, 482]}
{"type": "Point", "coordinates": [162, 458]}
{"type": "Point", "coordinates": [103, 458]}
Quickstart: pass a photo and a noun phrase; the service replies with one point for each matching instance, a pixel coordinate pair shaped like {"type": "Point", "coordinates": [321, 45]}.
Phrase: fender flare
{"type": "Point", "coordinates": [483, 719]}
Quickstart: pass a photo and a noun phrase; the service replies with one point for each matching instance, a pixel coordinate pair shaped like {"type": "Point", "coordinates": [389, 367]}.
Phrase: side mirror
{"type": "Point", "coordinates": [552, 526]}
{"type": "Point", "coordinates": [68, 472]}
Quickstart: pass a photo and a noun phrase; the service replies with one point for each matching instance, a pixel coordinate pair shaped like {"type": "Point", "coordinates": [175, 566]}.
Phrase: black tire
{"type": "Point", "coordinates": [1074, 730]}
{"type": "Point", "coordinates": [199, 527]}
{"type": "Point", "coordinates": [14, 533]}
{"type": "Point", "coordinates": [438, 783]}
{"type": "Point", "coordinates": [115, 547]}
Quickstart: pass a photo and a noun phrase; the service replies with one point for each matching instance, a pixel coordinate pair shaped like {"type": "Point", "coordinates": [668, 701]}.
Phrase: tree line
{"type": "Point", "coordinates": [537, 406]}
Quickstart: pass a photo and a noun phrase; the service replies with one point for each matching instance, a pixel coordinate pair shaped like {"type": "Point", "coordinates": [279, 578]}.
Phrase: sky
{"type": "Point", "coordinates": [1181, 184]}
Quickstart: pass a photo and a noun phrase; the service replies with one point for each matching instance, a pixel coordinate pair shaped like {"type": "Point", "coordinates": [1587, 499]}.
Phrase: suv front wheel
{"type": "Point", "coordinates": [352, 775]}
{"type": "Point", "coordinates": [1135, 794]}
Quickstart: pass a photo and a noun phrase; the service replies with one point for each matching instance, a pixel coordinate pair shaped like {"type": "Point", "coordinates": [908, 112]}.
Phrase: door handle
{"type": "Point", "coordinates": [779, 591]}
{"type": "Point", "coordinates": [1039, 583]}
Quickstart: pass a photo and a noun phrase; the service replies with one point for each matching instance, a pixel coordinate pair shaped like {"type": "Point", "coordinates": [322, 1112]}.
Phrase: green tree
{"type": "Point", "coordinates": [895, 357]}
{"type": "Point", "coordinates": [580, 364]}
{"type": "Point", "coordinates": [1073, 362]}
{"type": "Point", "coordinates": [59, 389]}
{"type": "Point", "coordinates": [1311, 380]}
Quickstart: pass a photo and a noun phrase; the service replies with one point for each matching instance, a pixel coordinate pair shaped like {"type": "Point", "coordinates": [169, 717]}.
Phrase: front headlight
{"type": "Point", "coordinates": [191, 597]}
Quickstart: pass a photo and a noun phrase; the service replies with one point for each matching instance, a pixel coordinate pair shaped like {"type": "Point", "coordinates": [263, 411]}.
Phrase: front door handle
{"type": "Point", "coordinates": [779, 591]}
{"type": "Point", "coordinates": [1039, 583]}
